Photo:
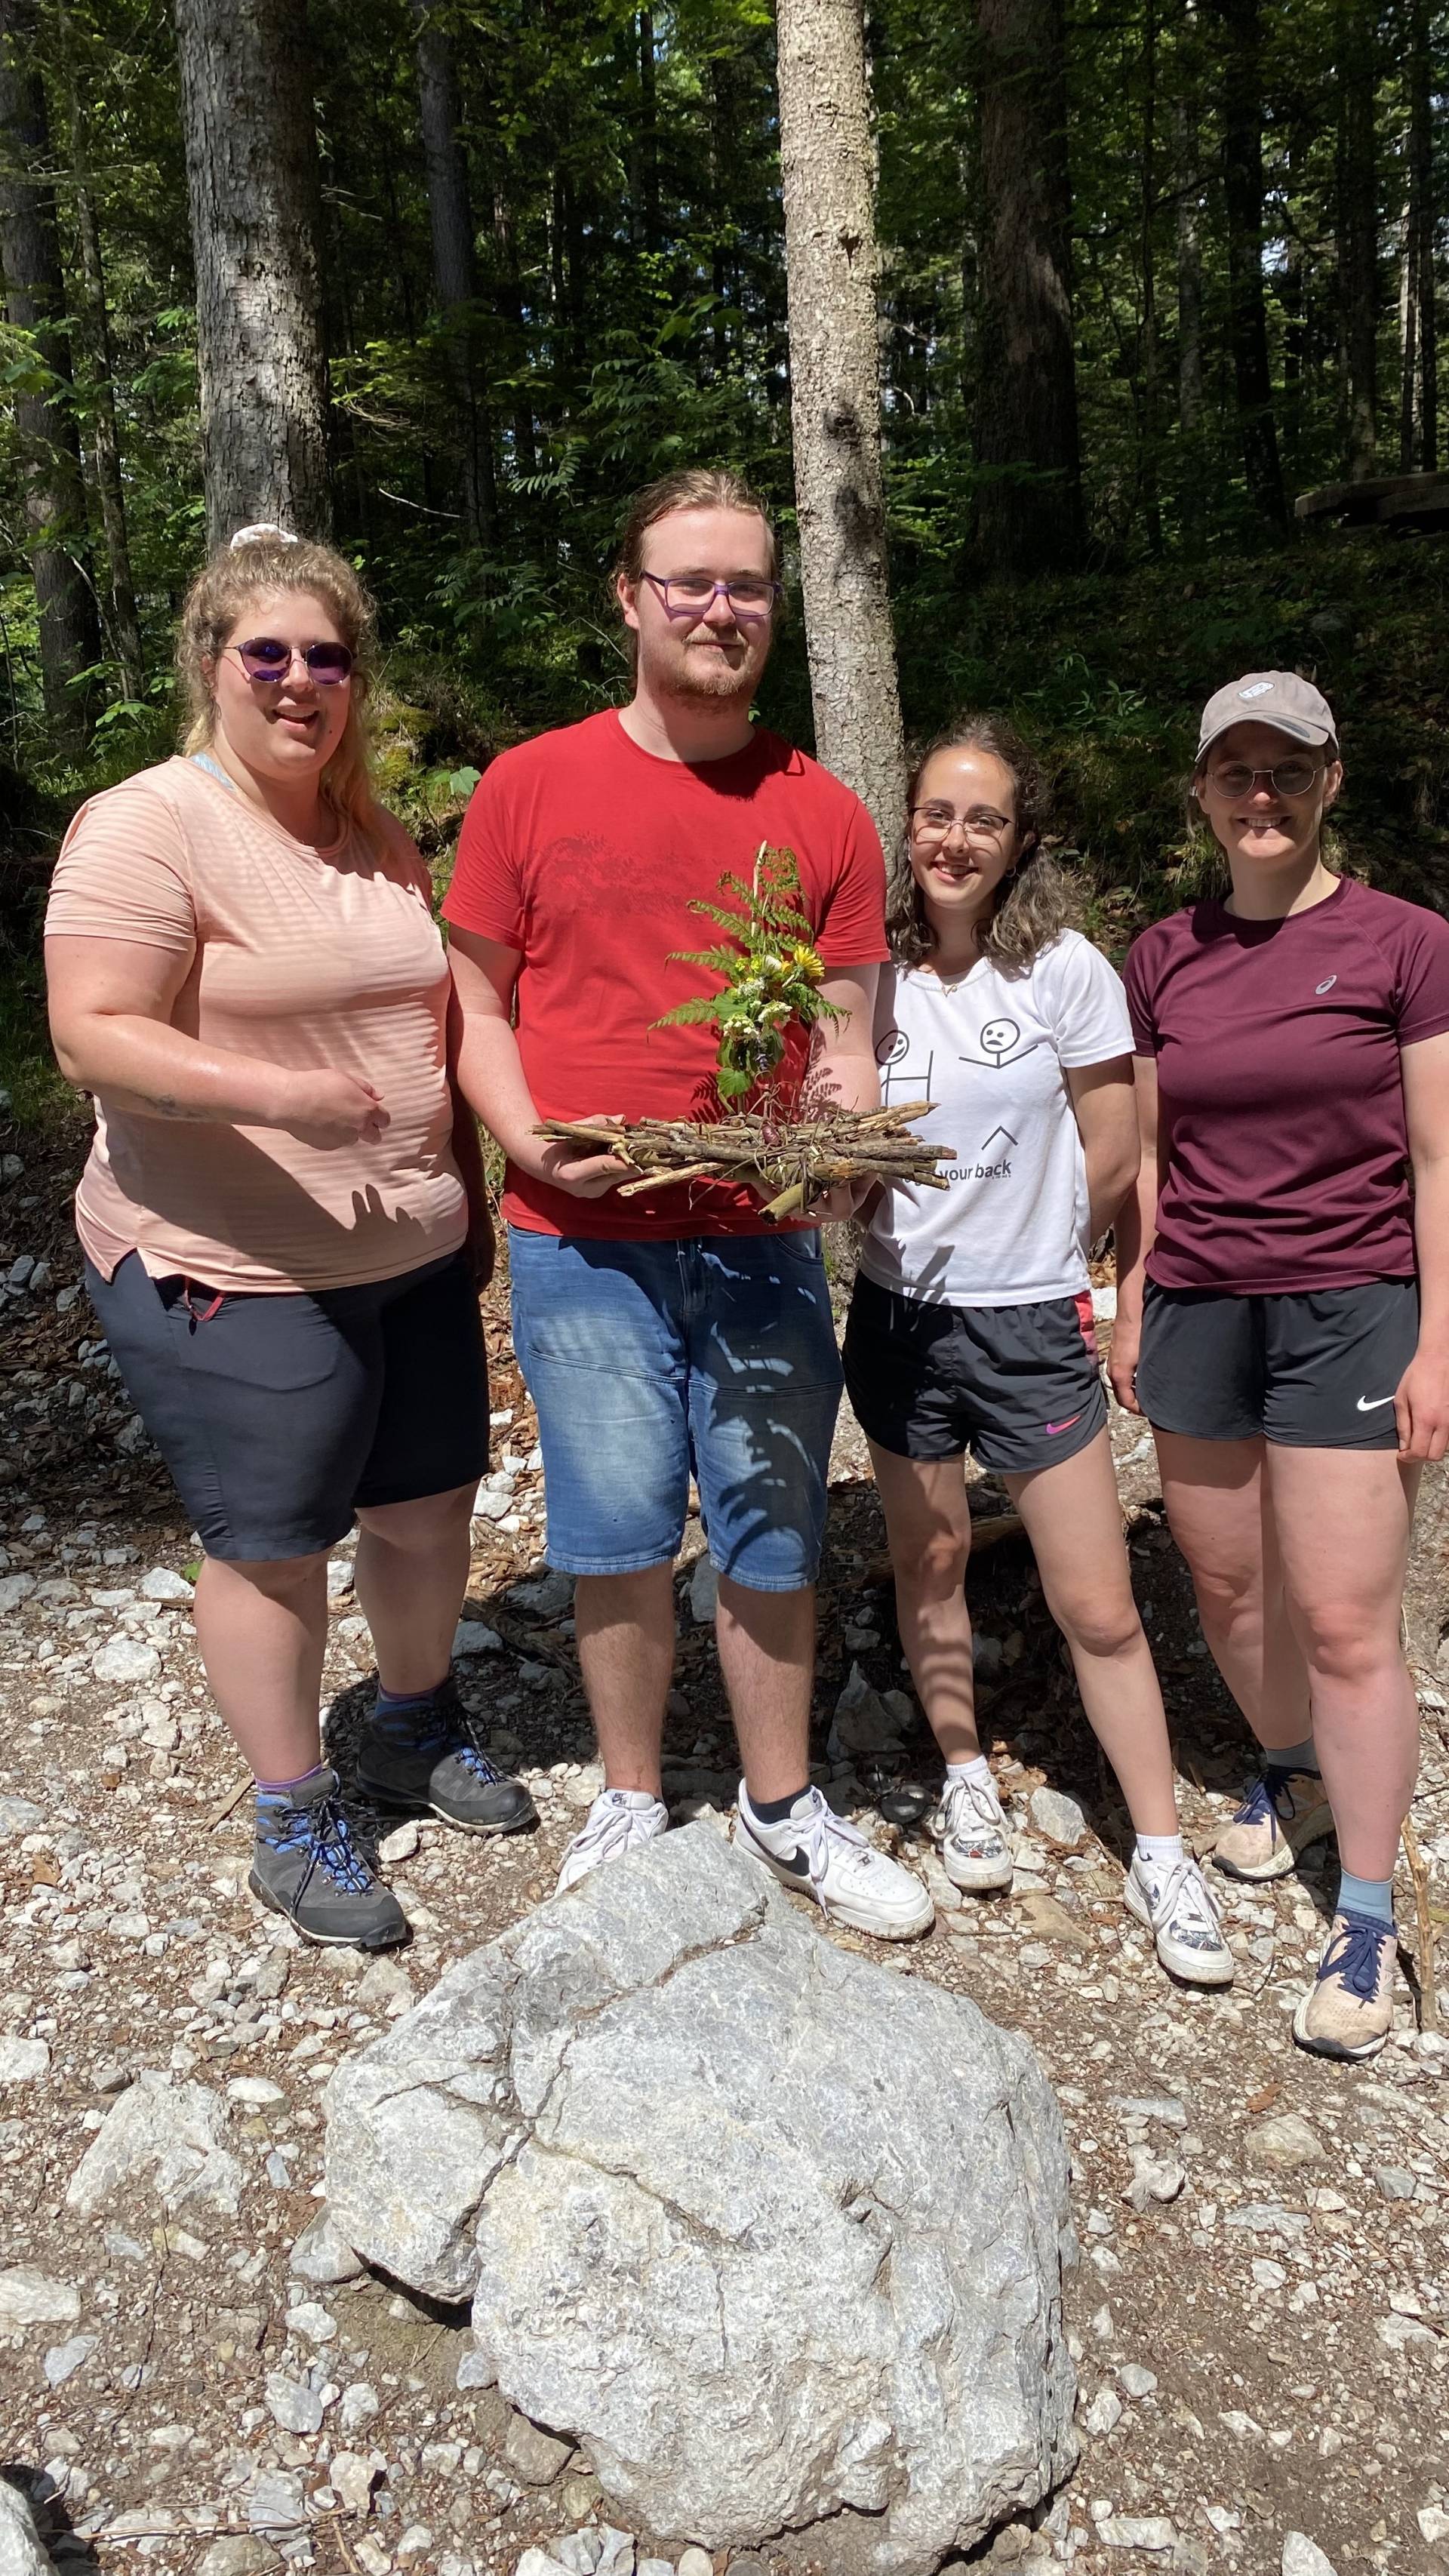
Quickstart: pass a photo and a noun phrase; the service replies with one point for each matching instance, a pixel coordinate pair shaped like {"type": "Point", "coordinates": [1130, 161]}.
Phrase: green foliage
{"type": "Point", "coordinates": [631, 315]}
{"type": "Point", "coordinates": [770, 969]}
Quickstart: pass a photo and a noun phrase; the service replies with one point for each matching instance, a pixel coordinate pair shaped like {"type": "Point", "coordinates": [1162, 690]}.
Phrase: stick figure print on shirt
{"type": "Point", "coordinates": [998, 1040]}
{"type": "Point", "coordinates": [900, 1072]}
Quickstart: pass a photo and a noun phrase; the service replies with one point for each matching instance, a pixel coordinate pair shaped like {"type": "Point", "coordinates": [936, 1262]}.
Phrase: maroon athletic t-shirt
{"type": "Point", "coordinates": [583, 852]}
{"type": "Point", "coordinates": [1277, 1047]}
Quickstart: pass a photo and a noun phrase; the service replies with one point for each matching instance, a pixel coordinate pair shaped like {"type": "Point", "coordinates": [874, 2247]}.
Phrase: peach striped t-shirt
{"type": "Point", "coordinates": [307, 958]}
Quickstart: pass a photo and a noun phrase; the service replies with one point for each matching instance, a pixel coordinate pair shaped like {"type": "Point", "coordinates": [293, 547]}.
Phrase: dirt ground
{"type": "Point", "coordinates": [1262, 2354]}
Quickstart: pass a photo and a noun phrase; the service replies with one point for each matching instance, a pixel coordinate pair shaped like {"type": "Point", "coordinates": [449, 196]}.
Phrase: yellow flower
{"type": "Point", "coordinates": [806, 963]}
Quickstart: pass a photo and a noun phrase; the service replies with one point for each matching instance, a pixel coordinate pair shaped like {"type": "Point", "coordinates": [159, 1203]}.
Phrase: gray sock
{"type": "Point", "coordinates": [1291, 1757]}
{"type": "Point", "coordinates": [1371, 1896]}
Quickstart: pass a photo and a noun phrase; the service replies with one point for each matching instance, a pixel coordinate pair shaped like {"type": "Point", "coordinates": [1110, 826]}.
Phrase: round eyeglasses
{"type": "Point", "coordinates": [1292, 777]}
{"type": "Point", "coordinates": [265, 657]}
{"type": "Point", "coordinates": [937, 823]}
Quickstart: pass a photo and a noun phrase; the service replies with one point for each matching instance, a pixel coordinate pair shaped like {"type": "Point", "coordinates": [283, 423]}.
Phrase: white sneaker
{"type": "Point", "coordinates": [851, 1882]}
{"type": "Point", "coordinates": [1181, 1912]}
{"type": "Point", "coordinates": [617, 1822]}
{"type": "Point", "coordinates": [976, 1851]}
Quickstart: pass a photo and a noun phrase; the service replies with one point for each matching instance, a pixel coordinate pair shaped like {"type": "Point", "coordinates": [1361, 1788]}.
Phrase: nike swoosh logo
{"type": "Point", "coordinates": [1367, 1405]}
{"type": "Point", "coordinates": [786, 1860]}
{"type": "Point", "coordinates": [1062, 1426]}
{"type": "Point", "coordinates": [797, 1862]}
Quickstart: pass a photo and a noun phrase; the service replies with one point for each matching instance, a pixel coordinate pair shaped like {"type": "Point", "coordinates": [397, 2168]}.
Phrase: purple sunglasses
{"type": "Point", "coordinates": [265, 657]}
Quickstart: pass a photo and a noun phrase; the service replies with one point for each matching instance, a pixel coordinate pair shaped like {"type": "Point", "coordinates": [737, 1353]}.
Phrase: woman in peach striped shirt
{"type": "Point", "coordinates": [282, 1214]}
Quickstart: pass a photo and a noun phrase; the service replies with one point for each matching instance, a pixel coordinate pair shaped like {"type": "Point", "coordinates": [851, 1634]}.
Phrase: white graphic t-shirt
{"type": "Point", "coordinates": [991, 1052]}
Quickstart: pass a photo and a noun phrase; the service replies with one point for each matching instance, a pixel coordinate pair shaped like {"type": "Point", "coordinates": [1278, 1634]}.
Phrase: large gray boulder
{"type": "Point", "coordinates": [21, 2553]}
{"type": "Point", "coordinates": [774, 2231]}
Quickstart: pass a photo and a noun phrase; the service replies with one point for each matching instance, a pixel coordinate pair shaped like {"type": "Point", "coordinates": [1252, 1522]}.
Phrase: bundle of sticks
{"type": "Point", "coordinates": [791, 1161]}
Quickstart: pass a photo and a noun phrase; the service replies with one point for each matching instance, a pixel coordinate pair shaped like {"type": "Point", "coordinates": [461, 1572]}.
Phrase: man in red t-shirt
{"type": "Point", "coordinates": [672, 1333]}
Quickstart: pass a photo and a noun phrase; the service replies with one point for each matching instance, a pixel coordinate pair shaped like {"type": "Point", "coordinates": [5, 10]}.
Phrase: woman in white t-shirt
{"type": "Point", "coordinates": [971, 1322]}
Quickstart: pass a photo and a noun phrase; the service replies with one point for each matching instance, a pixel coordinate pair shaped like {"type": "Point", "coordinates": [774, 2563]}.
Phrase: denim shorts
{"type": "Point", "coordinates": [281, 1415]}
{"type": "Point", "coordinates": [712, 1355]}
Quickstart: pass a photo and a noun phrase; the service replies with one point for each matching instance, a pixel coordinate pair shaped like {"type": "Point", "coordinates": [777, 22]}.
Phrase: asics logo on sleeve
{"type": "Point", "coordinates": [1328, 986]}
{"type": "Point", "coordinates": [1371, 1403]}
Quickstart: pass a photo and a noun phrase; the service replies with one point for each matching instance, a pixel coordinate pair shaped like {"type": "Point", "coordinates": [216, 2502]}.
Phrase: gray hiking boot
{"type": "Point", "coordinates": [307, 1864]}
{"type": "Point", "coordinates": [440, 1764]}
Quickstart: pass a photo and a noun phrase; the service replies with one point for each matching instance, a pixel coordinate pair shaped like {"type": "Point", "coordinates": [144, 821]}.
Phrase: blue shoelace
{"type": "Point", "coordinates": [1352, 1955]}
{"type": "Point", "coordinates": [1268, 1798]}
{"type": "Point", "coordinates": [324, 1834]}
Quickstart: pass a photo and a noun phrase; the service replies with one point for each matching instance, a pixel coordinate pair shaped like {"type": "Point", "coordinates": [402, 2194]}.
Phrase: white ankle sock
{"type": "Point", "coordinates": [977, 1770]}
{"type": "Point", "coordinates": [1158, 1852]}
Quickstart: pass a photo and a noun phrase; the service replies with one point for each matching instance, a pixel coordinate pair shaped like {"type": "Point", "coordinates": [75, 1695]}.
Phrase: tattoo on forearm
{"type": "Point", "coordinates": [165, 1105]}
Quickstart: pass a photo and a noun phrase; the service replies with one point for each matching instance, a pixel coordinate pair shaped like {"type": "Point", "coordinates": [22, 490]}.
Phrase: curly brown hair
{"type": "Point", "coordinates": [1031, 900]}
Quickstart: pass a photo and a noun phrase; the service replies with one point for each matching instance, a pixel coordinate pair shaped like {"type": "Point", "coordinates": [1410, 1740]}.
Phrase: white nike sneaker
{"type": "Point", "coordinates": [976, 1851]}
{"type": "Point", "coordinates": [618, 1822]}
{"type": "Point", "coordinates": [1181, 1912]}
{"type": "Point", "coordinates": [829, 1859]}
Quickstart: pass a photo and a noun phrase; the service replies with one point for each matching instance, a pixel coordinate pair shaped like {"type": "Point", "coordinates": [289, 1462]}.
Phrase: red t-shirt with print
{"type": "Point", "coordinates": [1282, 1100]}
{"type": "Point", "coordinates": [584, 852]}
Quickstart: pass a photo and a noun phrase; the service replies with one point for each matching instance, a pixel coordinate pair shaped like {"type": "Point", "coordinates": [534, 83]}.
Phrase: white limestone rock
{"type": "Point", "coordinates": [31, 2298]}
{"type": "Point", "coordinates": [644, 2126]}
{"type": "Point", "coordinates": [21, 2553]}
{"type": "Point", "coordinates": [170, 2133]}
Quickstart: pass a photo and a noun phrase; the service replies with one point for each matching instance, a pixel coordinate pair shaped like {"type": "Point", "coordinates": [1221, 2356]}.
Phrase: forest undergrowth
{"type": "Point", "coordinates": [1105, 672]}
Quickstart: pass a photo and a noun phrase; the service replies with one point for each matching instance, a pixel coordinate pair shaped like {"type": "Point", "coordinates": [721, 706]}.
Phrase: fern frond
{"type": "Point", "coordinates": [720, 961]}
{"type": "Point", "coordinates": [736, 923]}
{"type": "Point", "coordinates": [689, 1014]}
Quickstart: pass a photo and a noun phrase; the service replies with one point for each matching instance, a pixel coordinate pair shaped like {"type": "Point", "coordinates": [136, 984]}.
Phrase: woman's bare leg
{"type": "Point", "coordinates": [411, 1575]}
{"type": "Point", "coordinates": [1220, 1513]}
{"type": "Point", "coordinates": [1074, 1521]}
{"type": "Point", "coordinates": [1343, 1520]}
{"type": "Point", "coordinates": [928, 1525]}
{"type": "Point", "coordinates": [262, 1630]}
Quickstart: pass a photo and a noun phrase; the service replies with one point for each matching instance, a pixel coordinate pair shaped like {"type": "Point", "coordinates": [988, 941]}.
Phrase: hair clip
{"type": "Point", "coordinates": [260, 533]}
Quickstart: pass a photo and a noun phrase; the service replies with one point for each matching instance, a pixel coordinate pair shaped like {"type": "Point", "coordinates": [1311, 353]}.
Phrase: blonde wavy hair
{"type": "Point", "coordinates": [1032, 902]}
{"type": "Point", "coordinates": [217, 600]}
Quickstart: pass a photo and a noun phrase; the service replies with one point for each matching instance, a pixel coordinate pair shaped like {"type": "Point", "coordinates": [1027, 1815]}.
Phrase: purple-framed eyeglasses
{"type": "Point", "coordinates": [693, 594]}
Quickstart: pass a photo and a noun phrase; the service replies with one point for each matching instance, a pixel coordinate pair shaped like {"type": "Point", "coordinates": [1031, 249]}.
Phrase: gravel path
{"type": "Point", "coordinates": [1261, 2313]}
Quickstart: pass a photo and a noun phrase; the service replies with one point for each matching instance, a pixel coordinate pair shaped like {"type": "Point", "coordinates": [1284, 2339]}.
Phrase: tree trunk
{"type": "Point", "coordinates": [1243, 187]}
{"type": "Point", "coordinates": [648, 131]}
{"type": "Point", "coordinates": [455, 268]}
{"type": "Point", "coordinates": [251, 168]}
{"type": "Point", "coordinates": [1358, 228]}
{"type": "Point", "coordinates": [1408, 338]}
{"type": "Point", "coordinates": [1028, 521]}
{"type": "Point", "coordinates": [1148, 457]}
{"type": "Point", "coordinates": [50, 466]}
{"type": "Point", "coordinates": [505, 243]}
{"type": "Point", "coordinates": [1190, 394]}
{"type": "Point", "coordinates": [832, 266]}
{"type": "Point", "coordinates": [1293, 289]}
{"type": "Point", "coordinates": [1425, 284]}
{"type": "Point", "coordinates": [126, 627]}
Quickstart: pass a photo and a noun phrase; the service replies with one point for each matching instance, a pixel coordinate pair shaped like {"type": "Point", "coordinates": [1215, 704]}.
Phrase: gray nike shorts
{"type": "Point", "coordinates": [1019, 1386]}
{"type": "Point", "coordinates": [1315, 1368]}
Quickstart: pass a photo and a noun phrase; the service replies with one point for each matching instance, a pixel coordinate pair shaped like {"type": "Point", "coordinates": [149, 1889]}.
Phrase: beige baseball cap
{"type": "Point", "coordinates": [1276, 698]}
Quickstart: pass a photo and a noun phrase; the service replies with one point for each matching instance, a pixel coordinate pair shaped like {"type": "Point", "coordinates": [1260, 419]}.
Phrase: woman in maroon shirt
{"type": "Point", "coordinates": [1283, 1315]}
